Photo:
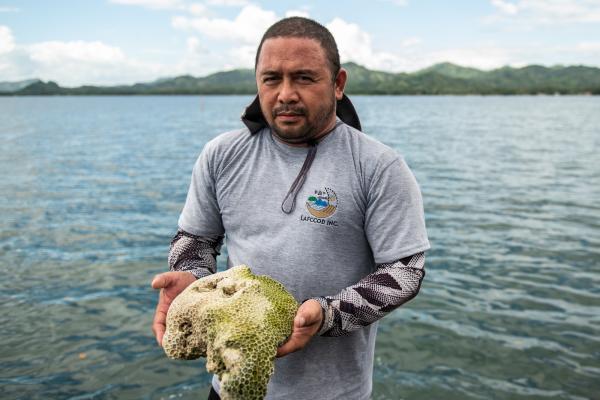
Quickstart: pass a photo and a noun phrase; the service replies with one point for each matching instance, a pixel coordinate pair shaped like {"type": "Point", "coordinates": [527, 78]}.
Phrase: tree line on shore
{"type": "Point", "coordinates": [440, 79]}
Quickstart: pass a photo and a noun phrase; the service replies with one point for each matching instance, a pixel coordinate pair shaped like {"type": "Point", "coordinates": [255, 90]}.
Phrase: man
{"type": "Point", "coordinates": [308, 199]}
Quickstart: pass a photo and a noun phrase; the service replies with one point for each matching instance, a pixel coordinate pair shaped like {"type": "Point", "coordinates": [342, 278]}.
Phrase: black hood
{"type": "Point", "coordinates": [255, 121]}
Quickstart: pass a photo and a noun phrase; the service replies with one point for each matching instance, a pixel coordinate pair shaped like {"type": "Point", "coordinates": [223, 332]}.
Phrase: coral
{"type": "Point", "coordinates": [236, 320]}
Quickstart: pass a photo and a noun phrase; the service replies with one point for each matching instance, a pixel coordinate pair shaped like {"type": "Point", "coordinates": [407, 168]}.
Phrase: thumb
{"type": "Point", "coordinates": [161, 281]}
{"type": "Point", "coordinates": [300, 320]}
{"type": "Point", "coordinates": [308, 314]}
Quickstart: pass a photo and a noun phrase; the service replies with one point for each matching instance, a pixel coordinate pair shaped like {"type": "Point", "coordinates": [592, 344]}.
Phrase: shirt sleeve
{"type": "Point", "coordinates": [394, 217]}
{"type": "Point", "coordinates": [195, 254]}
{"type": "Point", "coordinates": [201, 214]}
{"type": "Point", "coordinates": [373, 297]}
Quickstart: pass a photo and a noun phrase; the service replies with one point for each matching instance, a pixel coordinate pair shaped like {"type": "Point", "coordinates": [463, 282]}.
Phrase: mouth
{"type": "Point", "coordinates": [288, 112]}
{"type": "Point", "coordinates": [288, 115]}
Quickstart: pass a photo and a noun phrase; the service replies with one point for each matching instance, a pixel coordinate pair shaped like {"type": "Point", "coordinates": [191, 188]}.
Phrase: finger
{"type": "Point", "coordinates": [159, 325]}
{"type": "Point", "coordinates": [161, 281]}
{"type": "Point", "coordinates": [308, 315]}
{"type": "Point", "coordinates": [160, 319]}
{"type": "Point", "coordinates": [300, 321]}
{"type": "Point", "coordinates": [159, 333]}
{"type": "Point", "coordinates": [289, 347]}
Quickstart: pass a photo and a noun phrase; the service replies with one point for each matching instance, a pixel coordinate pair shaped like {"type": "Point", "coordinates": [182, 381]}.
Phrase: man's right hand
{"type": "Point", "coordinates": [170, 285]}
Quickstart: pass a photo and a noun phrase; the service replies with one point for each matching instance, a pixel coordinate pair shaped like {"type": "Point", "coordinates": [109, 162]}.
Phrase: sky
{"type": "Point", "coordinates": [103, 42]}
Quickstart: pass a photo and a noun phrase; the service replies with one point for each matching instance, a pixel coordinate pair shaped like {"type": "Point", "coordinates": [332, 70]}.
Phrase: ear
{"type": "Point", "coordinates": [340, 83]}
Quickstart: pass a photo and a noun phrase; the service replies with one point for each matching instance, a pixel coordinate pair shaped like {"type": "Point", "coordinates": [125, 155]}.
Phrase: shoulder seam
{"type": "Point", "coordinates": [377, 177]}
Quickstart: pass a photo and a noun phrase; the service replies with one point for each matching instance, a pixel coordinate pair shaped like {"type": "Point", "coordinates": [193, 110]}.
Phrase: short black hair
{"type": "Point", "coordinates": [300, 27]}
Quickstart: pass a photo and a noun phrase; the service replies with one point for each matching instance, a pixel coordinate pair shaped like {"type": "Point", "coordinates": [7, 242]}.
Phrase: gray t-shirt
{"type": "Point", "coordinates": [359, 206]}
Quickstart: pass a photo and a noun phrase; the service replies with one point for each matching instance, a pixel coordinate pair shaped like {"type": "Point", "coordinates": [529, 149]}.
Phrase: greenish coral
{"type": "Point", "coordinates": [236, 320]}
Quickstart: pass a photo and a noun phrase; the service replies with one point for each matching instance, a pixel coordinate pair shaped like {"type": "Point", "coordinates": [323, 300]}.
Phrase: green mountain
{"type": "Point", "coordinates": [444, 78]}
{"type": "Point", "coordinates": [41, 88]}
{"type": "Point", "coordinates": [453, 71]}
{"type": "Point", "coordinates": [14, 86]}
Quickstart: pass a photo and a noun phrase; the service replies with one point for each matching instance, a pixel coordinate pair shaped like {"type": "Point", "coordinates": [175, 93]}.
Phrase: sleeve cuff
{"type": "Point", "coordinates": [327, 322]}
{"type": "Point", "coordinates": [199, 272]}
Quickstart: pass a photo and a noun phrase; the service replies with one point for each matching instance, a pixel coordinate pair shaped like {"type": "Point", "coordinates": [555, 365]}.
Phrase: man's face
{"type": "Point", "coordinates": [296, 89]}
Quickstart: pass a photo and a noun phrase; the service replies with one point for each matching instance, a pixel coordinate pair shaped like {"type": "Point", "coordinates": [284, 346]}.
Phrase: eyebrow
{"type": "Point", "coordinates": [304, 72]}
{"type": "Point", "coordinates": [270, 72]}
{"type": "Point", "coordinates": [297, 72]}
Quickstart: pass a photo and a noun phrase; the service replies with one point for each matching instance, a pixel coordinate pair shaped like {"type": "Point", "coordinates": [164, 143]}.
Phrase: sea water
{"type": "Point", "coordinates": [509, 309]}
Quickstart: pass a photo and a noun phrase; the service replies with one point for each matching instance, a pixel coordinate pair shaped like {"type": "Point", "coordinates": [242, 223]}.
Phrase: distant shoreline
{"type": "Point", "coordinates": [440, 79]}
{"type": "Point", "coordinates": [349, 94]}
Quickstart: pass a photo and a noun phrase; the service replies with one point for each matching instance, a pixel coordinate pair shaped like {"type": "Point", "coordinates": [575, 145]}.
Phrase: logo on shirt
{"type": "Point", "coordinates": [321, 205]}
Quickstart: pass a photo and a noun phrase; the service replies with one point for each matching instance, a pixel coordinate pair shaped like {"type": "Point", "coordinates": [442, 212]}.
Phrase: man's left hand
{"type": "Point", "coordinates": [306, 324]}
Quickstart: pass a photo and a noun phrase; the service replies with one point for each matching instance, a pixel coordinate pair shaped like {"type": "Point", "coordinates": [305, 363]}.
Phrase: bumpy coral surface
{"type": "Point", "coordinates": [236, 320]}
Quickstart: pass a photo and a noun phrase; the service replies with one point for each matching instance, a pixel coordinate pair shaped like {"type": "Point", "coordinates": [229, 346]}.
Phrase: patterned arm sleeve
{"type": "Point", "coordinates": [374, 296]}
{"type": "Point", "coordinates": [196, 254]}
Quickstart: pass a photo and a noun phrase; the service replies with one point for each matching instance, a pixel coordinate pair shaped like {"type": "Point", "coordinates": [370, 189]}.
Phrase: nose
{"type": "Point", "coordinates": [287, 92]}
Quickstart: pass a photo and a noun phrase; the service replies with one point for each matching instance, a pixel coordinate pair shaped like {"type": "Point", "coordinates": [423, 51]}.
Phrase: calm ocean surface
{"type": "Point", "coordinates": [510, 307]}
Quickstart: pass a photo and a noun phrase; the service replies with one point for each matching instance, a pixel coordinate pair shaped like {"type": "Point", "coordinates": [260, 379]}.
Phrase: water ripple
{"type": "Point", "coordinates": [509, 309]}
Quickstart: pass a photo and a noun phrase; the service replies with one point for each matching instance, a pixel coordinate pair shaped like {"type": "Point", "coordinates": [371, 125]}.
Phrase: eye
{"type": "Point", "coordinates": [305, 78]}
{"type": "Point", "coordinates": [270, 79]}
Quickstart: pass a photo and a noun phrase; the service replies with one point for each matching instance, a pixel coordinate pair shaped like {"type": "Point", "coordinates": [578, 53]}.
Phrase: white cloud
{"type": "Point", "coordinates": [194, 59]}
{"type": "Point", "coordinates": [505, 6]}
{"type": "Point", "coordinates": [242, 57]}
{"type": "Point", "coordinates": [592, 47]}
{"type": "Point", "coordinates": [354, 44]}
{"type": "Point", "coordinates": [525, 13]}
{"type": "Point", "coordinates": [153, 4]}
{"type": "Point", "coordinates": [492, 55]}
{"type": "Point", "coordinates": [214, 44]}
{"type": "Point", "coordinates": [6, 9]}
{"type": "Point", "coordinates": [199, 60]}
{"type": "Point", "coordinates": [411, 41]}
{"type": "Point", "coordinates": [197, 9]}
{"type": "Point", "coordinates": [297, 13]}
{"type": "Point", "coordinates": [227, 3]}
{"type": "Point", "coordinates": [483, 57]}
{"type": "Point", "coordinates": [247, 28]}
{"type": "Point", "coordinates": [399, 3]}
{"type": "Point", "coordinates": [71, 63]}
{"type": "Point", "coordinates": [243, 32]}
{"type": "Point", "coordinates": [55, 52]}
{"type": "Point", "coordinates": [193, 46]}
{"type": "Point", "coordinates": [7, 42]}
{"type": "Point", "coordinates": [78, 62]}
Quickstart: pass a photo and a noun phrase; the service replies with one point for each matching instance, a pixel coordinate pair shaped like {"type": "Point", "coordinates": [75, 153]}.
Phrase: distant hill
{"type": "Point", "coordinates": [14, 86]}
{"type": "Point", "coordinates": [444, 78]}
{"type": "Point", "coordinates": [447, 78]}
{"type": "Point", "coordinates": [454, 71]}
